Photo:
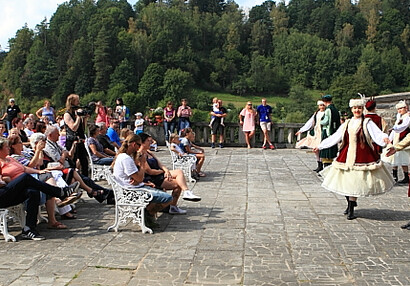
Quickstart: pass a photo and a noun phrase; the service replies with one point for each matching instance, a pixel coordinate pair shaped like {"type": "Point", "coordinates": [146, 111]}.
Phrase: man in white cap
{"type": "Point", "coordinates": [13, 111]}
{"type": "Point", "coordinates": [400, 129]}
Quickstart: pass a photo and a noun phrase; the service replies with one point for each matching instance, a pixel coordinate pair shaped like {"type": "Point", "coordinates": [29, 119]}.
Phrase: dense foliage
{"type": "Point", "coordinates": [160, 50]}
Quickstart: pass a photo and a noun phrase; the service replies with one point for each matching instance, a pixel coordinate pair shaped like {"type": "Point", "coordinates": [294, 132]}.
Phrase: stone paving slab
{"type": "Point", "coordinates": [263, 220]}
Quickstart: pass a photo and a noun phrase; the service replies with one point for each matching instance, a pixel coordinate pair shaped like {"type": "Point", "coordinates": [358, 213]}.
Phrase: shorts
{"type": "Point", "coordinates": [265, 125]}
{"type": "Point", "coordinates": [217, 128]}
{"type": "Point", "coordinates": [158, 196]}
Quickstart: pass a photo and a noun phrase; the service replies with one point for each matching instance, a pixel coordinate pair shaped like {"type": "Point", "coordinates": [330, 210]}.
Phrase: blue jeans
{"type": "Point", "coordinates": [183, 123]}
{"type": "Point", "coordinates": [104, 161]}
{"type": "Point", "coordinates": [169, 126]}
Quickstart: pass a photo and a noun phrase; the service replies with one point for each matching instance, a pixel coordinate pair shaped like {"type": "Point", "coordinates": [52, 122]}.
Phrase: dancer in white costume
{"type": "Point", "coordinates": [400, 129]}
{"type": "Point", "coordinates": [312, 140]}
{"type": "Point", "coordinates": [357, 171]}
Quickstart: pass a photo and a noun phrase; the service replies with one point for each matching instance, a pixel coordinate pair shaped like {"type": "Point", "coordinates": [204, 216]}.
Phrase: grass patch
{"type": "Point", "coordinates": [240, 101]}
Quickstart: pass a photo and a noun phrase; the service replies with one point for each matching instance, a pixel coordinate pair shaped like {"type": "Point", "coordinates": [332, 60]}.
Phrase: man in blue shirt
{"type": "Point", "coordinates": [265, 121]}
{"type": "Point", "coordinates": [113, 134]}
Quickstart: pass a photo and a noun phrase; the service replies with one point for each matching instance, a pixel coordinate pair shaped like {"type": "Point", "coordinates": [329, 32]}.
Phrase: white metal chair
{"type": "Point", "coordinates": [97, 171]}
{"type": "Point", "coordinates": [129, 203]}
{"type": "Point", "coordinates": [16, 212]}
{"type": "Point", "coordinates": [185, 163]}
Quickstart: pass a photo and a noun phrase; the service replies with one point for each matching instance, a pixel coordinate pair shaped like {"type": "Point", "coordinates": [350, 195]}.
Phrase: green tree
{"type": "Point", "coordinates": [150, 86]}
{"type": "Point", "coordinates": [102, 61]}
{"type": "Point", "coordinates": [177, 84]}
{"type": "Point", "coordinates": [39, 72]}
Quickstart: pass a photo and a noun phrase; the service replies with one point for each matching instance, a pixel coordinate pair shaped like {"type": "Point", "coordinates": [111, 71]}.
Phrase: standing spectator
{"type": "Point", "coordinates": [75, 127]}
{"type": "Point", "coordinates": [330, 123]}
{"type": "Point", "coordinates": [184, 112]}
{"type": "Point", "coordinates": [102, 113]}
{"type": "Point", "coordinates": [112, 133]}
{"type": "Point", "coordinates": [247, 119]}
{"type": "Point", "coordinates": [169, 119]}
{"type": "Point", "coordinates": [215, 109]}
{"type": "Point", "coordinates": [48, 111]}
{"type": "Point", "coordinates": [13, 111]}
{"type": "Point", "coordinates": [217, 127]}
{"type": "Point", "coordinates": [139, 123]}
{"type": "Point", "coordinates": [122, 112]}
{"type": "Point", "coordinates": [265, 121]}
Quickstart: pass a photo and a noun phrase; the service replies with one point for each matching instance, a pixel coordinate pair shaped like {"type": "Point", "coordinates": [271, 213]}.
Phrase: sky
{"type": "Point", "coordinates": [16, 13]}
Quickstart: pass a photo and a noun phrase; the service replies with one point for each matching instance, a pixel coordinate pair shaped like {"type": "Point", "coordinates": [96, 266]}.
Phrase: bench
{"type": "Point", "coordinates": [185, 163]}
{"type": "Point", "coordinates": [129, 203]}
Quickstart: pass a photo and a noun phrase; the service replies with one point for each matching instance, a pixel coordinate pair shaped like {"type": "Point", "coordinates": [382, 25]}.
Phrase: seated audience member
{"type": "Point", "coordinates": [176, 148]}
{"type": "Point", "coordinates": [62, 138]}
{"type": "Point", "coordinates": [104, 140]}
{"type": "Point", "coordinates": [34, 159]}
{"type": "Point", "coordinates": [124, 133]}
{"type": "Point", "coordinates": [28, 126]}
{"type": "Point", "coordinates": [188, 136]}
{"type": "Point", "coordinates": [17, 186]}
{"type": "Point", "coordinates": [57, 153]}
{"type": "Point", "coordinates": [163, 178]}
{"type": "Point", "coordinates": [3, 130]}
{"type": "Point", "coordinates": [129, 170]}
{"type": "Point", "coordinates": [17, 123]}
{"type": "Point", "coordinates": [113, 134]}
{"type": "Point", "coordinates": [40, 127]}
{"type": "Point", "coordinates": [97, 150]}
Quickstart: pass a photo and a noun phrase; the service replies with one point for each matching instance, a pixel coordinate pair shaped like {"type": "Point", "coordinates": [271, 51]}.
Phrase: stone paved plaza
{"type": "Point", "coordinates": [263, 220]}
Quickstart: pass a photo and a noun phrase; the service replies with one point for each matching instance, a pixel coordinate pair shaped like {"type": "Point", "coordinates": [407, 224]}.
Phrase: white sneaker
{"type": "Point", "coordinates": [189, 196]}
{"type": "Point", "coordinates": [176, 210]}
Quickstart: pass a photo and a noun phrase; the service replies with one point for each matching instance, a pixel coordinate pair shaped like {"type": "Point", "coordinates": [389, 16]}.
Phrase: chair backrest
{"type": "Point", "coordinates": [88, 150]}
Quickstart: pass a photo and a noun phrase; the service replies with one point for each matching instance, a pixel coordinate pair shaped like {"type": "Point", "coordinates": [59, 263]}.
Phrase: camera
{"type": "Point", "coordinates": [85, 110]}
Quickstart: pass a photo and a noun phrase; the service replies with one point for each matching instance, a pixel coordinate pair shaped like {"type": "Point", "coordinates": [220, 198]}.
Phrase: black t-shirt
{"type": "Point", "coordinates": [217, 119]}
{"type": "Point", "coordinates": [105, 142]}
{"type": "Point", "coordinates": [12, 112]}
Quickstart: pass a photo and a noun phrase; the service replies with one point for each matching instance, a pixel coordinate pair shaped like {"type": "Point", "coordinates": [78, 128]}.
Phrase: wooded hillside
{"type": "Point", "coordinates": [159, 51]}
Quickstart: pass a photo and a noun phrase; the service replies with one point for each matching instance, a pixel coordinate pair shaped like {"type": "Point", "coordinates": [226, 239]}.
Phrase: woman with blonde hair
{"type": "Point", "coordinates": [75, 122]}
{"type": "Point", "coordinates": [247, 119]}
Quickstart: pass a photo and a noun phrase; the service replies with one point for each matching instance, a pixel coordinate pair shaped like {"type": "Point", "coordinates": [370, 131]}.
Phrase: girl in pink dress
{"type": "Point", "coordinates": [247, 119]}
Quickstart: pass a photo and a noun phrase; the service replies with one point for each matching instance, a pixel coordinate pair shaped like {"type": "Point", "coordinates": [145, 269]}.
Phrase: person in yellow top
{"type": "Point", "coordinates": [398, 147]}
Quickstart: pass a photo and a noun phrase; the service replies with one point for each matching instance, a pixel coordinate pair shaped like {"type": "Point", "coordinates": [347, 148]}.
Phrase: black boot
{"type": "Point", "coordinates": [347, 209]}
{"type": "Point", "coordinates": [405, 181]}
{"type": "Point", "coordinates": [319, 167]}
{"type": "Point", "coordinates": [350, 212]}
{"type": "Point", "coordinates": [395, 177]}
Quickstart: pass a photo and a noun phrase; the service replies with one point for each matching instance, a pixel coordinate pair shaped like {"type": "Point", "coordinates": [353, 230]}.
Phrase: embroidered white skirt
{"type": "Point", "coordinates": [358, 181]}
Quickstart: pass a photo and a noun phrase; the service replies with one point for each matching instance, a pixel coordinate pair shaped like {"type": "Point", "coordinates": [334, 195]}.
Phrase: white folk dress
{"type": "Point", "coordinates": [311, 141]}
{"type": "Point", "coordinates": [400, 158]}
{"type": "Point", "coordinates": [348, 177]}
